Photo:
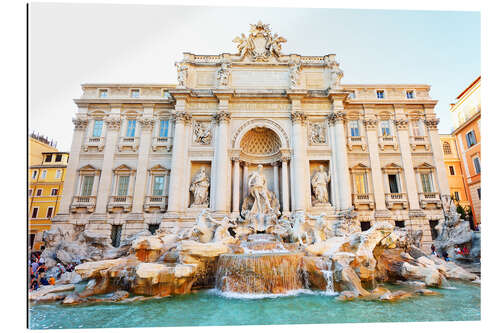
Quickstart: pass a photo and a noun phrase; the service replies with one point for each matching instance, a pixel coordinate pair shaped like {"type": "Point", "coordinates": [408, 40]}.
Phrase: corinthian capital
{"type": "Point", "coordinates": [370, 123]}
{"type": "Point", "coordinates": [432, 123]}
{"type": "Point", "coordinates": [182, 116]}
{"type": "Point", "coordinates": [146, 123]}
{"type": "Point", "coordinates": [336, 116]}
{"type": "Point", "coordinates": [222, 116]}
{"type": "Point", "coordinates": [113, 123]}
{"type": "Point", "coordinates": [80, 124]}
{"type": "Point", "coordinates": [298, 117]}
{"type": "Point", "coordinates": [401, 123]}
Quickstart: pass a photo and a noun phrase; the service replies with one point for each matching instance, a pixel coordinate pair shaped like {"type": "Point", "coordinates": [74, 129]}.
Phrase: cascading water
{"type": "Point", "coordinates": [328, 275]}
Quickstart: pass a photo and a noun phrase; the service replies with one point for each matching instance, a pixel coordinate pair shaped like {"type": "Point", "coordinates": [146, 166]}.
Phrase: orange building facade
{"type": "Point", "coordinates": [454, 170]}
{"type": "Point", "coordinates": [466, 115]}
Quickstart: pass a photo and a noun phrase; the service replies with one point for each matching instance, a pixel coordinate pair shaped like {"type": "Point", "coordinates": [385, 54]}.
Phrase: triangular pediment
{"type": "Point", "coordinates": [392, 166]}
{"type": "Point", "coordinates": [122, 167]}
{"type": "Point", "coordinates": [158, 167]}
{"type": "Point", "coordinates": [425, 165]}
{"type": "Point", "coordinates": [360, 166]}
{"type": "Point", "coordinates": [87, 167]}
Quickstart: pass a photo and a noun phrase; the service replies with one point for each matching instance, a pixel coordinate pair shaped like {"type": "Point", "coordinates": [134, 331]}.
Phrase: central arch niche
{"type": "Point", "coordinates": [260, 142]}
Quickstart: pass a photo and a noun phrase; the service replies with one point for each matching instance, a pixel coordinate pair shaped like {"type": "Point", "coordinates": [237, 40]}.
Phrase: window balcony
{"type": "Point", "coordinates": [427, 198]}
{"type": "Point", "coordinates": [120, 201]}
{"type": "Point", "coordinates": [162, 142]}
{"type": "Point", "coordinates": [387, 140]}
{"type": "Point", "coordinates": [131, 143]}
{"type": "Point", "coordinates": [95, 142]}
{"type": "Point", "coordinates": [393, 200]}
{"type": "Point", "coordinates": [84, 202]}
{"type": "Point", "coordinates": [353, 141]}
{"type": "Point", "coordinates": [153, 202]}
{"type": "Point", "coordinates": [363, 199]}
{"type": "Point", "coordinates": [416, 141]}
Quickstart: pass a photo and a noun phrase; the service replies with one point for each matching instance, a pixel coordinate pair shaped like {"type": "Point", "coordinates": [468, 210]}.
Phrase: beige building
{"type": "Point", "coordinates": [151, 155]}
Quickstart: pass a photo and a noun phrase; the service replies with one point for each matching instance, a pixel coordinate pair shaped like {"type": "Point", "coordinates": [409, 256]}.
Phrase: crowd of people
{"type": "Point", "coordinates": [459, 252]}
{"type": "Point", "coordinates": [38, 271]}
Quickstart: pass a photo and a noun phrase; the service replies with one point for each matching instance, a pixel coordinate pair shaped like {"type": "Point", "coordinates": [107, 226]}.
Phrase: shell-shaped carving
{"type": "Point", "coordinates": [260, 141]}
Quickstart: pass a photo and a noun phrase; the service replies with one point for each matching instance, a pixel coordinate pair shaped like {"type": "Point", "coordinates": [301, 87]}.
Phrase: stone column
{"type": "Point", "coordinates": [407, 161]}
{"type": "Point", "coordinates": [71, 170]}
{"type": "Point", "coordinates": [344, 199]}
{"type": "Point", "coordinates": [334, 175]}
{"type": "Point", "coordinates": [276, 180]}
{"type": "Point", "coordinates": [222, 157]}
{"type": "Point", "coordinates": [376, 171]}
{"type": "Point", "coordinates": [284, 181]}
{"type": "Point", "coordinates": [104, 191]}
{"type": "Point", "coordinates": [147, 124]}
{"type": "Point", "coordinates": [245, 179]}
{"type": "Point", "coordinates": [298, 160]}
{"type": "Point", "coordinates": [236, 186]}
{"type": "Point", "coordinates": [437, 153]}
{"type": "Point", "coordinates": [176, 184]}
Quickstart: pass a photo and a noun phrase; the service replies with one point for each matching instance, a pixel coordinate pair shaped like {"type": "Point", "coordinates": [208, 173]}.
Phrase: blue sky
{"type": "Point", "coordinates": [74, 43]}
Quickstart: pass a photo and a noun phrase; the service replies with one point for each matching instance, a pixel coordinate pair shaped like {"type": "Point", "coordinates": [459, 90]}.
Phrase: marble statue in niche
{"type": "Point", "coordinates": [199, 187]}
{"type": "Point", "coordinates": [319, 183]}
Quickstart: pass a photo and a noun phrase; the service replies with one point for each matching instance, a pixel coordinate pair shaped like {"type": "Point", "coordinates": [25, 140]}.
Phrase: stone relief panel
{"type": "Point", "coordinates": [202, 132]}
{"type": "Point", "coordinates": [317, 133]}
{"type": "Point", "coordinates": [199, 188]}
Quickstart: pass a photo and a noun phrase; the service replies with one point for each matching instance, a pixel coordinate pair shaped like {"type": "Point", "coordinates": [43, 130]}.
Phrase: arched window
{"type": "Point", "coordinates": [446, 148]}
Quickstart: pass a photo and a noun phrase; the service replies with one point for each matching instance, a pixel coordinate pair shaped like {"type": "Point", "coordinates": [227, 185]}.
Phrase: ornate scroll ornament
{"type": "Point", "coordinates": [80, 124]}
{"type": "Point", "coordinates": [298, 116]}
{"type": "Point", "coordinates": [223, 74]}
{"type": "Point", "coordinates": [182, 116]}
{"type": "Point", "coordinates": [113, 123]}
{"type": "Point", "coordinates": [202, 133]}
{"type": "Point", "coordinates": [432, 123]}
{"type": "Point", "coordinates": [370, 123]}
{"type": "Point", "coordinates": [260, 44]}
{"type": "Point", "coordinates": [295, 67]}
{"type": "Point", "coordinates": [146, 123]}
{"type": "Point", "coordinates": [336, 116]}
{"type": "Point", "coordinates": [317, 134]}
{"type": "Point", "coordinates": [336, 73]}
{"type": "Point", "coordinates": [401, 123]}
{"type": "Point", "coordinates": [222, 116]}
{"type": "Point", "coordinates": [285, 157]}
{"type": "Point", "coordinates": [181, 74]}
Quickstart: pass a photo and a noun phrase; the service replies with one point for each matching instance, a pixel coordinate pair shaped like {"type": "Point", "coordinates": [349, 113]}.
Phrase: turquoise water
{"type": "Point", "coordinates": [208, 308]}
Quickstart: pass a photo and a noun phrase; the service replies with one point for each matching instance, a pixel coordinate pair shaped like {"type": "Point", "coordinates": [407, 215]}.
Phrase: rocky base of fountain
{"type": "Point", "coordinates": [173, 263]}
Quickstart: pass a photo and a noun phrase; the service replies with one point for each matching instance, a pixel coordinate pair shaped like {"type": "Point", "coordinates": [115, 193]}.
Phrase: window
{"type": "Point", "coordinates": [131, 128]}
{"type": "Point", "coordinates": [54, 192]}
{"type": "Point", "coordinates": [134, 93]}
{"type": "Point", "coordinates": [365, 226]}
{"type": "Point", "coordinates": [361, 183]}
{"type": "Point", "coordinates": [394, 183]}
{"type": "Point", "coordinates": [477, 165]}
{"type": "Point", "coordinates": [123, 185]}
{"type": "Point", "coordinates": [410, 94]}
{"type": "Point", "coordinates": [163, 128]}
{"type": "Point", "coordinates": [433, 224]}
{"type": "Point", "coordinates": [399, 224]}
{"type": "Point", "coordinates": [39, 192]}
{"type": "Point", "coordinates": [30, 192]}
{"type": "Point", "coordinates": [456, 196]}
{"type": "Point", "coordinates": [158, 185]}
{"type": "Point", "coordinates": [34, 174]}
{"type": "Point", "coordinates": [116, 235]}
{"type": "Point", "coordinates": [446, 148]}
{"type": "Point", "coordinates": [44, 174]}
{"type": "Point", "coordinates": [97, 131]}
{"type": "Point", "coordinates": [87, 184]}
{"type": "Point", "coordinates": [58, 173]}
{"type": "Point", "coordinates": [452, 170]}
{"type": "Point", "coordinates": [103, 93]}
{"type": "Point", "coordinates": [380, 94]}
{"type": "Point", "coordinates": [479, 193]}
{"type": "Point", "coordinates": [153, 227]}
{"type": "Point", "coordinates": [48, 157]}
{"type": "Point", "coordinates": [34, 213]}
{"type": "Point", "coordinates": [50, 210]}
{"type": "Point", "coordinates": [166, 94]}
{"type": "Point", "coordinates": [58, 157]}
{"type": "Point", "coordinates": [426, 182]}
{"type": "Point", "coordinates": [385, 127]}
{"type": "Point", "coordinates": [471, 138]}
{"type": "Point", "coordinates": [354, 127]}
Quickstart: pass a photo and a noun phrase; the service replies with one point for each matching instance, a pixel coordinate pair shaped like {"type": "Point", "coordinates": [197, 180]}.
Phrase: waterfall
{"type": "Point", "coordinates": [265, 273]}
{"type": "Point", "coordinates": [328, 275]}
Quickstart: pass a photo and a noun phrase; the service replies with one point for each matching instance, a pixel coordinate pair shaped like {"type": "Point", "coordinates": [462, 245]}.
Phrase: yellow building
{"type": "Point", "coordinates": [456, 178]}
{"type": "Point", "coordinates": [39, 144]}
{"type": "Point", "coordinates": [46, 181]}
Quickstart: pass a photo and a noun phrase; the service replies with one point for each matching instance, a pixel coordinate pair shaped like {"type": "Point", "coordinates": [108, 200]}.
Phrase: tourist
{"type": "Point", "coordinates": [465, 251]}
{"type": "Point", "coordinates": [445, 256]}
{"type": "Point", "coordinates": [433, 250]}
{"type": "Point", "coordinates": [43, 279]}
{"type": "Point", "coordinates": [52, 281]}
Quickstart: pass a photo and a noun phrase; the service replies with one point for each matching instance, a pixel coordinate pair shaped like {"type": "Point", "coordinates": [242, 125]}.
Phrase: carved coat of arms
{"type": "Point", "coordinates": [261, 44]}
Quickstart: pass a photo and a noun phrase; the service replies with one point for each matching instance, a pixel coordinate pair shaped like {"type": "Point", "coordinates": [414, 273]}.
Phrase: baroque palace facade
{"type": "Point", "coordinates": [152, 156]}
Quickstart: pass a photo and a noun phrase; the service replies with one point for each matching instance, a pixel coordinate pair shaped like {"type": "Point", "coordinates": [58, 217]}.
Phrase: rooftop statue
{"type": "Point", "coordinates": [260, 45]}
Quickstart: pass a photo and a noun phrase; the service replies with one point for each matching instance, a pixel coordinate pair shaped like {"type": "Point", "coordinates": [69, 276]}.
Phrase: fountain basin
{"type": "Point", "coordinates": [262, 273]}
